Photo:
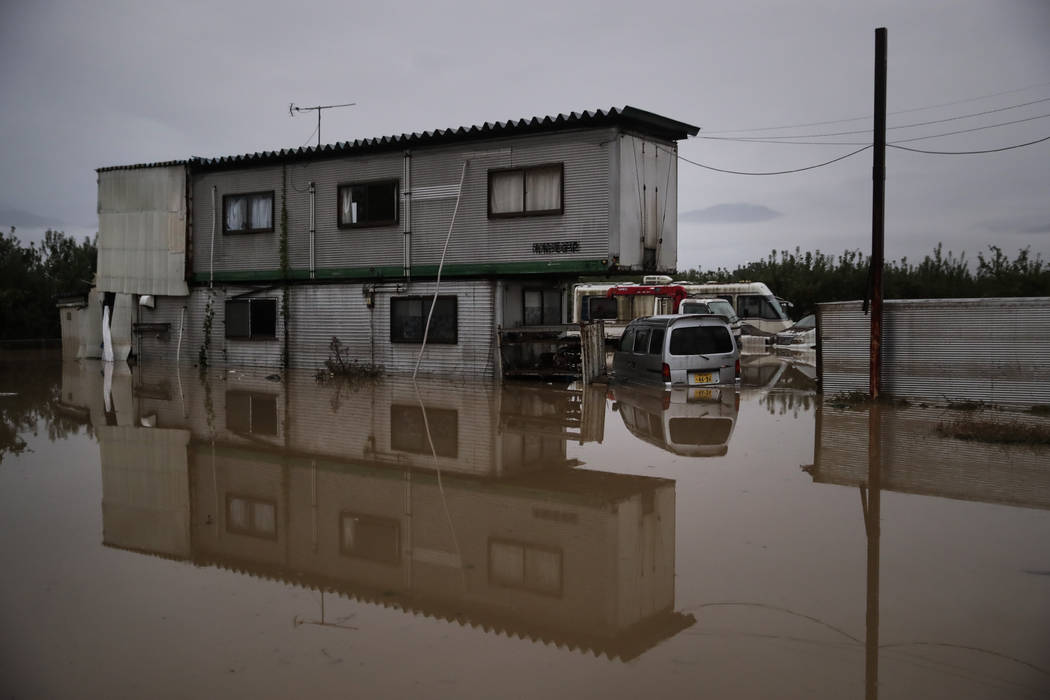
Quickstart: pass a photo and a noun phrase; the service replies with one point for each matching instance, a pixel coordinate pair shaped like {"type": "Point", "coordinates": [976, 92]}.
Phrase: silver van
{"type": "Point", "coordinates": [694, 351]}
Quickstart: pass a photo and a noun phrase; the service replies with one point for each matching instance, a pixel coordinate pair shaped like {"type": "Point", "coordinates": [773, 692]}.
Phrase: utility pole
{"type": "Point", "coordinates": [292, 109]}
{"type": "Point", "coordinates": [878, 176]}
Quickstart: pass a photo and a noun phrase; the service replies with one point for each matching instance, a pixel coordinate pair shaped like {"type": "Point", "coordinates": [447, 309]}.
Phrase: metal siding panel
{"type": "Point", "coordinates": [319, 312]}
{"type": "Point", "coordinates": [475, 239]}
{"type": "Point", "coordinates": [993, 350]}
{"type": "Point", "coordinates": [239, 251]}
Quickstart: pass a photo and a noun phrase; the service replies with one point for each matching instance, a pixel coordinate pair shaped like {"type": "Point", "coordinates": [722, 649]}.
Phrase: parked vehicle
{"type": "Point", "coordinates": [689, 350]}
{"type": "Point", "coordinates": [711, 305]}
{"type": "Point", "coordinates": [799, 336]}
{"type": "Point", "coordinates": [672, 421]}
{"type": "Point", "coordinates": [760, 311]}
{"type": "Point", "coordinates": [617, 303]}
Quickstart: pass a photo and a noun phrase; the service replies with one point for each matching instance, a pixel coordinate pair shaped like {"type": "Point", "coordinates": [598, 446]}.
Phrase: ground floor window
{"type": "Point", "coordinates": [408, 430]}
{"type": "Point", "coordinates": [251, 318]}
{"type": "Point", "coordinates": [542, 307]}
{"type": "Point", "coordinates": [369, 537]}
{"type": "Point", "coordinates": [525, 566]}
{"type": "Point", "coordinates": [255, 517]}
{"type": "Point", "coordinates": [408, 319]}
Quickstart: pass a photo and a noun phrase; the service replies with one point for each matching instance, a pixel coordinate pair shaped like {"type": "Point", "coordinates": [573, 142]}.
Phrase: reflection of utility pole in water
{"type": "Point", "coordinates": [871, 503]}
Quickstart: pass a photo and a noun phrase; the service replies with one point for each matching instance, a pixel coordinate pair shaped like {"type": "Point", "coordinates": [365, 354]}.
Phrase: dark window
{"type": "Point", "coordinates": [368, 204]}
{"type": "Point", "coordinates": [247, 213]}
{"type": "Point", "coordinates": [541, 307]}
{"type": "Point", "coordinates": [533, 191]}
{"type": "Point", "coordinates": [369, 537]}
{"type": "Point", "coordinates": [656, 344]}
{"type": "Point", "coordinates": [601, 307]}
{"type": "Point", "coordinates": [756, 306]}
{"type": "Point", "coordinates": [701, 340]}
{"type": "Point", "coordinates": [627, 340]}
{"type": "Point", "coordinates": [251, 318]}
{"type": "Point", "coordinates": [525, 566]}
{"type": "Point", "coordinates": [249, 412]}
{"type": "Point", "coordinates": [641, 341]}
{"type": "Point", "coordinates": [408, 430]}
{"type": "Point", "coordinates": [408, 318]}
{"type": "Point", "coordinates": [255, 517]}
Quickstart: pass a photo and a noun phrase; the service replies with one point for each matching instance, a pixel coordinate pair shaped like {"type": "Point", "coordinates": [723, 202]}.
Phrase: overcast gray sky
{"type": "Point", "coordinates": [92, 84]}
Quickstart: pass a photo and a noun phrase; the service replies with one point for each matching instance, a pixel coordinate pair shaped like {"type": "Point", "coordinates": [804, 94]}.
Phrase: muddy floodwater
{"type": "Point", "coordinates": [168, 533]}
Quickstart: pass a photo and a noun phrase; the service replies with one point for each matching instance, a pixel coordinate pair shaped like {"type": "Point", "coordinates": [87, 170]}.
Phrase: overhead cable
{"type": "Point", "coordinates": [865, 131]}
{"type": "Point", "coordinates": [968, 153]}
{"type": "Point", "coordinates": [777, 172]}
{"type": "Point", "coordinates": [899, 111]}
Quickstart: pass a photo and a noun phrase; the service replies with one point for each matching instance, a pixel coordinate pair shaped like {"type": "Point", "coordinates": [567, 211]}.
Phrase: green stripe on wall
{"type": "Point", "coordinates": [394, 272]}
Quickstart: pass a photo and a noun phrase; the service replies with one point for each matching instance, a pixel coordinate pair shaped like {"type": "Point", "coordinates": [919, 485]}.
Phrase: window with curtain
{"type": "Point", "coordinates": [368, 204]}
{"type": "Point", "coordinates": [255, 517]}
{"type": "Point", "coordinates": [247, 213]}
{"type": "Point", "coordinates": [532, 191]}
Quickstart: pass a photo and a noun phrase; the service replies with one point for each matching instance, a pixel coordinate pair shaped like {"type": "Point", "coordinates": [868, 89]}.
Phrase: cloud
{"type": "Point", "coordinates": [1030, 226]}
{"type": "Point", "coordinates": [24, 219]}
{"type": "Point", "coordinates": [735, 213]}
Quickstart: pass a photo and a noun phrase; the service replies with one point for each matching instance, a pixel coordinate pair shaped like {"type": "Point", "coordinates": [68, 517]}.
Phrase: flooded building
{"type": "Point", "coordinates": [267, 259]}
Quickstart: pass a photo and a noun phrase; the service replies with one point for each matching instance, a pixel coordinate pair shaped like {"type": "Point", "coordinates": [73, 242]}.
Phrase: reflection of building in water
{"type": "Point", "coordinates": [463, 507]}
{"type": "Point", "coordinates": [915, 459]}
{"type": "Point", "coordinates": [690, 422]}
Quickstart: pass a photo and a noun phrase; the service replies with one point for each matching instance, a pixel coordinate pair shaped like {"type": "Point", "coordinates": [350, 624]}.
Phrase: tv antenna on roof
{"type": "Point", "coordinates": [292, 109]}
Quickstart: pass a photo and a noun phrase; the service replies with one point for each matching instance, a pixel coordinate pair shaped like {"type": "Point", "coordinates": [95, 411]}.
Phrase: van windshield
{"type": "Point", "coordinates": [701, 340]}
{"type": "Point", "coordinates": [724, 308]}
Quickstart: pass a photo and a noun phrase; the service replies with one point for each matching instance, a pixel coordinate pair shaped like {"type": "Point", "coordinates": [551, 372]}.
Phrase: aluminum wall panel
{"type": "Point", "coordinates": [239, 251]}
{"type": "Point", "coordinates": [319, 312]}
{"type": "Point", "coordinates": [142, 231]}
{"type": "Point", "coordinates": [993, 350]}
{"type": "Point", "coordinates": [435, 176]}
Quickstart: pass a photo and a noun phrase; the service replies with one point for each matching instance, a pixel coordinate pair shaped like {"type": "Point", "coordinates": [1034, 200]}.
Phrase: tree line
{"type": "Point", "coordinates": [808, 278]}
{"type": "Point", "coordinates": [33, 277]}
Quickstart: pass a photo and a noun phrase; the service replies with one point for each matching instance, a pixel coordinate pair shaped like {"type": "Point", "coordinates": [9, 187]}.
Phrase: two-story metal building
{"type": "Point", "coordinates": [262, 259]}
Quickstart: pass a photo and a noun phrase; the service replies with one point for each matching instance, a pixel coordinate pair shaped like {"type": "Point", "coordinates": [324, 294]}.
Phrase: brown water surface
{"type": "Point", "coordinates": [172, 534]}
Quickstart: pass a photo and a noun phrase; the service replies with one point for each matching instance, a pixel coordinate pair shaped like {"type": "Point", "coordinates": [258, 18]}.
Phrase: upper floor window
{"type": "Point", "coordinates": [247, 213]}
{"type": "Point", "coordinates": [532, 191]}
{"type": "Point", "coordinates": [368, 204]}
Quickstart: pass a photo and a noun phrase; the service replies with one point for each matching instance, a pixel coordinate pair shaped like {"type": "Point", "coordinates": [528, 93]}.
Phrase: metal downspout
{"type": "Point", "coordinates": [211, 251]}
{"type": "Point", "coordinates": [313, 226]}
{"type": "Point", "coordinates": [406, 228]}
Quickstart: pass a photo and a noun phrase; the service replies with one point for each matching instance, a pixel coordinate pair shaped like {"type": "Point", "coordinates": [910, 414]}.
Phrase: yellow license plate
{"type": "Point", "coordinates": [703, 394]}
{"type": "Point", "coordinates": [708, 378]}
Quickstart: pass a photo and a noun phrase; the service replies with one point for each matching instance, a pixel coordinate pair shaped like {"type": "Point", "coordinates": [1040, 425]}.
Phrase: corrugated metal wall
{"type": "Point", "coordinates": [142, 231]}
{"type": "Point", "coordinates": [435, 175]}
{"type": "Point", "coordinates": [316, 314]}
{"type": "Point", "coordinates": [993, 350]}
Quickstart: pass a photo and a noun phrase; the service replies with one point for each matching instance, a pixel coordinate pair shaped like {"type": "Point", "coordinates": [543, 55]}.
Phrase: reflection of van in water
{"type": "Point", "coordinates": [673, 421]}
{"type": "Point", "coordinates": [614, 302]}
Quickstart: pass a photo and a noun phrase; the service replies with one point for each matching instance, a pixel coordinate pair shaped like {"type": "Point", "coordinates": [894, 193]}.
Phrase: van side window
{"type": "Point", "coordinates": [656, 343]}
{"type": "Point", "coordinates": [641, 341]}
{"type": "Point", "coordinates": [627, 341]}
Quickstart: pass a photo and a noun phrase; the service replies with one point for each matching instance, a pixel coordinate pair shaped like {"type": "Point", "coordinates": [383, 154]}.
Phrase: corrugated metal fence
{"type": "Point", "coordinates": [992, 350]}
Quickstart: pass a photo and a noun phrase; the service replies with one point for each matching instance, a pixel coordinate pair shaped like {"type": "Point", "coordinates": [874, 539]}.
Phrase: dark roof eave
{"type": "Point", "coordinates": [632, 118]}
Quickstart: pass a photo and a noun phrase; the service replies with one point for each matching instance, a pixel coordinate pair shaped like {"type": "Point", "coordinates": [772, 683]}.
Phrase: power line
{"type": "Point", "coordinates": [864, 131]}
{"type": "Point", "coordinates": [900, 111]}
{"type": "Point", "coordinates": [976, 128]}
{"type": "Point", "coordinates": [969, 153]}
{"type": "Point", "coordinates": [778, 172]}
